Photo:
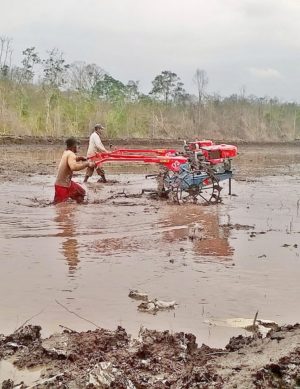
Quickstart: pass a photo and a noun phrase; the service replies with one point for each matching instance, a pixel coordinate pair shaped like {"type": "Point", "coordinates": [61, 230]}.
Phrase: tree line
{"type": "Point", "coordinates": [48, 96]}
{"type": "Point", "coordinates": [90, 79]}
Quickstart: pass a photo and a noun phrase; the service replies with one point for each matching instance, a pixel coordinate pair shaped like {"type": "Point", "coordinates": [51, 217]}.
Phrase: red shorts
{"type": "Point", "coordinates": [74, 192]}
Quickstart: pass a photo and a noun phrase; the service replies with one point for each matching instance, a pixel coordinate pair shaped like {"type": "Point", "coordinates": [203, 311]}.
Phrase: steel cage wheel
{"type": "Point", "coordinates": [164, 180]}
{"type": "Point", "coordinates": [197, 194]}
{"type": "Point", "coordinates": [210, 194]}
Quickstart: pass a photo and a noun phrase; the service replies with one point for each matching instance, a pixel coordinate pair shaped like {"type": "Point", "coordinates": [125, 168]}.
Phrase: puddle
{"type": "Point", "coordinates": [9, 371]}
{"type": "Point", "coordinates": [237, 322]}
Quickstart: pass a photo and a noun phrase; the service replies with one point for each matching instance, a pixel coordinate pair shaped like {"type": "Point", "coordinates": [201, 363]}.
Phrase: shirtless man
{"type": "Point", "coordinates": [65, 188]}
{"type": "Point", "coordinates": [95, 146]}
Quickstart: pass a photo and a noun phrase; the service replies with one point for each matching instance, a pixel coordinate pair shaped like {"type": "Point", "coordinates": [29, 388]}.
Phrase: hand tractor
{"type": "Point", "coordinates": [190, 175]}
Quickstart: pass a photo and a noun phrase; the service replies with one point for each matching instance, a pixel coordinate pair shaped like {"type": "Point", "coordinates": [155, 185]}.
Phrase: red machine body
{"type": "Point", "coordinates": [144, 151]}
{"type": "Point", "coordinates": [212, 153]}
{"type": "Point", "coordinates": [170, 162]}
{"type": "Point", "coordinates": [220, 151]}
{"type": "Point", "coordinates": [169, 158]}
{"type": "Point", "coordinates": [193, 146]}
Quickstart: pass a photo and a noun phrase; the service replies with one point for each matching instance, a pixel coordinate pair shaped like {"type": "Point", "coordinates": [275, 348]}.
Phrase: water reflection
{"type": "Point", "coordinates": [201, 226]}
{"type": "Point", "coordinates": [65, 217]}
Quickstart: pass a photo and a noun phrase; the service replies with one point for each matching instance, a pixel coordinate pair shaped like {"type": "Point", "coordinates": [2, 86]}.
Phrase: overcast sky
{"type": "Point", "coordinates": [240, 43]}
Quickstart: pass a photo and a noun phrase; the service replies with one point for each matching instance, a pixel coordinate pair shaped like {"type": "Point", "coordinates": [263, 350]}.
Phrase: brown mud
{"type": "Point", "coordinates": [221, 262]}
{"type": "Point", "coordinates": [37, 140]}
{"type": "Point", "coordinates": [159, 142]}
{"type": "Point", "coordinates": [113, 359]}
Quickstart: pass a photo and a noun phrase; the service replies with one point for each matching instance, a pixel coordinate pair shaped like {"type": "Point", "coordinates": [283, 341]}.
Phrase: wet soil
{"type": "Point", "coordinates": [113, 359]}
{"type": "Point", "coordinates": [225, 261]}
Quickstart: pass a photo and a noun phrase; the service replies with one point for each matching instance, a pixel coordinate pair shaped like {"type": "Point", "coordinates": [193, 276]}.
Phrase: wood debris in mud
{"type": "Point", "coordinates": [237, 226]}
{"type": "Point", "coordinates": [155, 305]}
{"type": "Point", "coordinates": [151, 305]}
{"type": "Point", "coordinates": [137, 295]}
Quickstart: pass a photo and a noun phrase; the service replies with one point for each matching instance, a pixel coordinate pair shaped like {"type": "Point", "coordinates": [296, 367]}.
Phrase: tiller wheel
{"type": "Point", "coordinates": [205, 193]}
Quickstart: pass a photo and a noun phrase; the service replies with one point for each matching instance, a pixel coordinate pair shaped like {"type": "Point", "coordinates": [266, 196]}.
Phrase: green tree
{"type": "Point", "coordinates": [55, 69]}
{"type": "Point", "coordinates": [180, 95]}
{"type": "Point", "coordinates": [166, 86]}
{"type": "Point", "coordinates": [132, 90]}
{"type": "Point", "coordinates": [30, 59]}
{"type": "Point", "coordinates": [110, 89]}
{"type": "Point", "coordinates": [4, 71]}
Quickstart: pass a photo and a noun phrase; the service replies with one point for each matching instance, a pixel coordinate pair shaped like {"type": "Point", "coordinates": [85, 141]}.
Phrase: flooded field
{"type": "Point", "coordinates": [74, 265]}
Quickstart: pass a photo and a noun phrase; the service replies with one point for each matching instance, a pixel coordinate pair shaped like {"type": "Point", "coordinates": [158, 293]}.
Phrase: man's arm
{"type": "Point", "coordinates": [78, 159]}
{"type": "Point", "coordinates": [75, 166]}
{"type": "Point", "coordinates": [99, 145]}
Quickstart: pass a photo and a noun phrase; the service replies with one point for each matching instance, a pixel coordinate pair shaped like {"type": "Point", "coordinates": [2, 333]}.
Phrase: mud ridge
{"type": "Point", "coordinates": [112, 359]}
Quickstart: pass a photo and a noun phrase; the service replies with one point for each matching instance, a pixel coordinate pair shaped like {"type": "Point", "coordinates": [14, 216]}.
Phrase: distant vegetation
{"type": "Point", "coordinates": [48, 97]}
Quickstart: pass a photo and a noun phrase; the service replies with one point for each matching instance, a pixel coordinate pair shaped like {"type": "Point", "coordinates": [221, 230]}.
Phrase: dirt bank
{"type": "Point", "coordinates": [159, 142]}
{"type": "Point", "coordinates": [46, 140]}
{"type": "Point", "coordinates": [112, 359]}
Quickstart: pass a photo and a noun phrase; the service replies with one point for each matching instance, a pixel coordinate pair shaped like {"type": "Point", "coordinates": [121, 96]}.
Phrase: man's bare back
{"type": "Point", "coordinates": [65, 188]}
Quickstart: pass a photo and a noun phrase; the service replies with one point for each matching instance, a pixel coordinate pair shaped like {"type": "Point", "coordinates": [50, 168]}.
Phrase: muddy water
{"type": "Point", "coordinates": [63, 264]}
{"type": "Point", "coordinates": [9, 371]}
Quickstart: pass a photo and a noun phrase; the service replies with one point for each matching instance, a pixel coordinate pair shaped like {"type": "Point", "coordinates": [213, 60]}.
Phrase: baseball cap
{"type": "Point", "coordinates": [99, 127]}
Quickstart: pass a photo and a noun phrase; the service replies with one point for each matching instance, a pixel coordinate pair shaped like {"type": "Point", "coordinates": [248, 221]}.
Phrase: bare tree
{"type": "Point", "coordinates": [201, 80]}
{"type": "Point", "coordinates": [5, 55]}
{"type": "Point", "coordinates": [84, 77]}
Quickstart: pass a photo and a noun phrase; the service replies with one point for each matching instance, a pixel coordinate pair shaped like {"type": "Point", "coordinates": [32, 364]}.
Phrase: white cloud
{"type": "Point", "coordinates": [265, 72]}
